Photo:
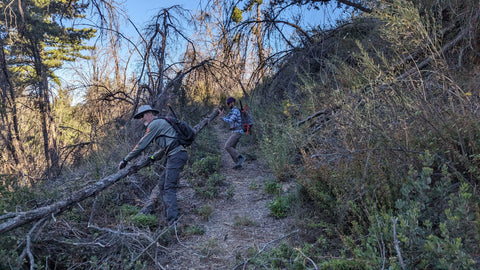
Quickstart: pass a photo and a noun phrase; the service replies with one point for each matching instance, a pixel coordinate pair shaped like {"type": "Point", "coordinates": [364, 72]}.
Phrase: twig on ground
{"type": "Point", "coordinates": [27, 251]}
{"type": "Point", "coordinates": [155, 241]}
{"type": "Point", "coordinates": [183, 245]}
{"type": "Point", "coordinates": [303, 254]}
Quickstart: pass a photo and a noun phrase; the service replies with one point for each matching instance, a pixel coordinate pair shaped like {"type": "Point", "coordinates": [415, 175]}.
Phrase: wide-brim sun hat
{"type": "Point", "coordinates": [143, 109]}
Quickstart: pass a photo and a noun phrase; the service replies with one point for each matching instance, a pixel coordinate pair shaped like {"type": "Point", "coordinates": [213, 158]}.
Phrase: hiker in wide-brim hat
{"type": "Point", "coordinates": [143, 109]}
{"type": "Point", "coordinates": [164, 136]}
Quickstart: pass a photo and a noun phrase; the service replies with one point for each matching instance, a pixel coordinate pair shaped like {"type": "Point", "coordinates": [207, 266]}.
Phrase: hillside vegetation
{"type": "Point", "coordinates": [388, 171]}
{"type": "Point", "coordinates": [374, 122]}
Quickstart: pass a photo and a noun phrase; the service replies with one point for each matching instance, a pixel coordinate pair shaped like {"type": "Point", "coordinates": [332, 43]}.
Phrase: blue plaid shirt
{"type": "Point", "coordinates": [234, 119]}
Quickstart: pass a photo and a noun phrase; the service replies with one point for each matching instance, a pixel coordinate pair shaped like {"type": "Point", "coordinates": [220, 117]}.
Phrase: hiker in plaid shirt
{"type": "Point", "coordinates": [234, 120]}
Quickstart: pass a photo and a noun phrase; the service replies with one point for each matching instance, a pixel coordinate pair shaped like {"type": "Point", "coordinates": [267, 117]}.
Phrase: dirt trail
{"type": "Point", "coordinates": [239, 226]}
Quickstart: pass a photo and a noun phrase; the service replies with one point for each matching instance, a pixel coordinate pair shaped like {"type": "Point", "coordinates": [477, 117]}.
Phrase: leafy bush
{"type": "Point", "coordinates": [280, 206]}
{"type": "Point", "coordinates": [14, 197]}
{"type": "Point", "coordinates": [128, 210]}
{"type": "Point", "coordinates": [207, 165]}
{"type": "Point", "coordinates": [208, 189]}
{"type": "Point", "coordinates": [279, 151]}
{"type": "Point", "coordinates": [342, 264]}
{"type": "Point", "coordinates": [8, 250]}
{"type": "Point", "coordinates": [272, 186]}
{"type": "Point", "coordinates": [142, 220]}
{"type": "Point", "coordinates": [206, 144]}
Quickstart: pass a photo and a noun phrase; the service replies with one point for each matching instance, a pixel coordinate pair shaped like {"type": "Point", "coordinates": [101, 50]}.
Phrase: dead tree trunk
{"type": "Point", "coordinates": [14, 220]}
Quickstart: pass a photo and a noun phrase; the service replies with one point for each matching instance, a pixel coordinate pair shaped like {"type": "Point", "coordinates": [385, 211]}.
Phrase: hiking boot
{"type": "Point", "coordinates": [241, 159]}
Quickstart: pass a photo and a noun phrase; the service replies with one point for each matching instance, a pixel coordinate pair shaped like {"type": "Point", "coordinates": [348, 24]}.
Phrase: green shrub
{"type": "Point", "coordinates": [210, 188]}
{"type": "Point", "coordinates": [145, 220]}
{"type": "Point", "coordinates": [278, 150]}
{"type": "Point", "coordinates": [206, 144]}
{"type": "Point", "coordinates": [128, 210]}
{"type": "Point", "coordinates": [279, 207]}
{"type": "Point", "coordinates": [254, 185]}
{"type": "Point", "coordinates": [8, 250]}
{"type": "Point", "coordinates": [13, 196]}
{"type": "Point", "coordinates": [205, 212]}
{"type": "Point", "coordinates": [281, 257]}
{"type": "Point", "coordinates": [230, 192]}
{"type": "Point", "coordinates": [342, 264]}
{"type": "Point", "coordinates": [207, 165]}
{"type": "Point", "coordinates": [272, 186]}
{"type": "Point", "coordinates": [195, 230]}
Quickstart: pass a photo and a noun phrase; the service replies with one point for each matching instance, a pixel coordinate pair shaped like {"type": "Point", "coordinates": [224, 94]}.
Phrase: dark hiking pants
{"type": "Point", "coordinates": [168, 184]}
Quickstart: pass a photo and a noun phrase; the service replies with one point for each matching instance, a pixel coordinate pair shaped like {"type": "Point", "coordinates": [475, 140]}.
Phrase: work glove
{"type": "Point", "coordinates": [122, 164]}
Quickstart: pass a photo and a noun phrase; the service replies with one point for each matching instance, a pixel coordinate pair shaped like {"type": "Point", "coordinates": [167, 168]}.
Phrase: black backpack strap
{"type": "Point", "coordinates": [175, 143]}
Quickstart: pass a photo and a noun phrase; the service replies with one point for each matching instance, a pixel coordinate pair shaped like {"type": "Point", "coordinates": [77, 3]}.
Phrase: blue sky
{"type": "Point", "coordinates": [140, 11]}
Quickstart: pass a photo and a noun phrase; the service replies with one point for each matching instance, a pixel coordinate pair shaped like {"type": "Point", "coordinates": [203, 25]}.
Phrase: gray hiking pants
{"type": "Point", "coordinates": [168, 183]}
{"type": "Point", "coordinates": [231, 144]}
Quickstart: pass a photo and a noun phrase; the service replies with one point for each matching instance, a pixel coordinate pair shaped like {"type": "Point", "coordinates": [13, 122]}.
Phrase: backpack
{"type": "Point", "coordinates": [247, 119]}
{"type": "Point", "coordinates": [185, 133]}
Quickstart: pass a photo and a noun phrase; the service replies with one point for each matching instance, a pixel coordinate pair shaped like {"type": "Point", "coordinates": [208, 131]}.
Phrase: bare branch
{"type": "Point", "coordinates": [396, 243]}
{"type": "Point", "coordinates": [322, 112]}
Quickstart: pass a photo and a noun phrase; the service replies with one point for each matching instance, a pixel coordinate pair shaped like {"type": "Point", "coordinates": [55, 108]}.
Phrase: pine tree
{"type": "Point", "coordinates": [36, 41]}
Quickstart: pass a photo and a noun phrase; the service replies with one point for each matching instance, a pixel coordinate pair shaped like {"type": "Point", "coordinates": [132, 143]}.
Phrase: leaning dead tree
{"type": "Point", "coordinates": [14, 220]}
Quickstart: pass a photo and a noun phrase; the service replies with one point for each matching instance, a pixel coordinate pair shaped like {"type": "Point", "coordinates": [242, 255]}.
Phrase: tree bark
{"type": "Point", "coordinates": [8, 99]}
{"type": "Point", "coordinates": [14, 220]}
{"type": "Point", "coordinates": [48, 129]}
{"type": "Point", "coordinates": [261, 53]}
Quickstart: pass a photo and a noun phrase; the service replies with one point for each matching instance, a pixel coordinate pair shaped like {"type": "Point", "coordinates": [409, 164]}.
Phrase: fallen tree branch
{"type": "Point", "coordinates": [322, 112]}
{"type": "Point", "coordinates": [14, 220]}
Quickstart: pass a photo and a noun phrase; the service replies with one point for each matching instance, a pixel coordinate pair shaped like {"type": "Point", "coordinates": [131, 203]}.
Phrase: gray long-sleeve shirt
{"type": "Point", "coordinates": [161, 133]}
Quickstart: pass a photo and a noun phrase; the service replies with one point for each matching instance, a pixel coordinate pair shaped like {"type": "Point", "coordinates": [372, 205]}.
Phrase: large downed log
{"type": "Point", "coordinates": [14, 220]}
